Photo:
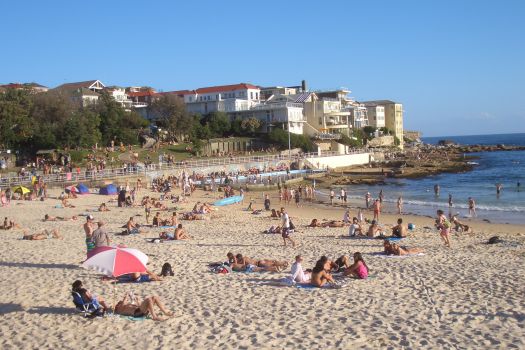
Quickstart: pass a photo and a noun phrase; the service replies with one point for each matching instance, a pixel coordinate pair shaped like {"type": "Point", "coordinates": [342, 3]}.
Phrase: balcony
{"type": "Point", "coordinates": [269, 106]}
{"type": "Point", "coordinates": [139, 104]}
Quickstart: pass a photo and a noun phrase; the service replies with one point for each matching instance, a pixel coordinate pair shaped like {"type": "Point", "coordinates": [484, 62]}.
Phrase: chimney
{"type": "Point", "coordinates": [303, 85]}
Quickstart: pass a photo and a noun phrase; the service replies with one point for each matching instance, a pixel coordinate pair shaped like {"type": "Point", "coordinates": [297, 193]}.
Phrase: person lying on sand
{"type": "Point", "coordinates": [275, 214]}
{"type": "Point", "coordinates": [234, 264]}
{"type": "Point", "coordinates": [358, 269]}
{"type": "Point", "coordinates": [333, 223]}
{"type": "Point", "coordinates": [147, 276]}
{"type": "Point", "coordinates": [103, 207]}
{"type": "Point", "coordinates": [48, 217]}
{"type": "Point", "coordinates": [399, 230]}
{"type": "Point", "coordinates": [314, 223]}
{"type": "Point", "coordinates": [193, 216]}
{"type": "Point", "coordinates": [274, 229]}
{"type": "Point", "coordinates": [66, 204]}
{"type": "Point", "coordinates": [254, 265]}
{"type": "Point", "coordinates": [158, 205]}
{"type": "Point", "coordinates": [394, 249]}
{"type": "Point", "coordinates": [136, 308]}
{"type": "Point", "coordinates": [9, 224]}
{"type": "Point", "coordinates": [87, 296]}
{"type": "Point", "coordinates": [43, 235]}
{"type": "Point", "coordinates": [320, 273]}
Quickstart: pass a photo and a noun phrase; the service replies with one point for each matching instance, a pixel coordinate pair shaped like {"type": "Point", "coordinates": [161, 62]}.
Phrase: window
{"type": "Point", "coordinates": [256, 95]}
{"type": "Point", "coordinates": [217, 97]}
{"type": "Point", "coordinates": [251, 95]}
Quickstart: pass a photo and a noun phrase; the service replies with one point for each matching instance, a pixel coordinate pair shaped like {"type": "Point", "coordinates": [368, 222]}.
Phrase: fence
{"type": "Point", "coordinates": [109, 174]}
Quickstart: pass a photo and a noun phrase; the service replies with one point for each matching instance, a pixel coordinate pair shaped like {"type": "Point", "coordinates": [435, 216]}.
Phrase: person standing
{"type": "Point", "coordinates": [286, 227]}
{"type": "Point", "coordinates": [367, 199]}
{"type": "Point", "coordinates": [343, 195]}
{"type": "Point", "coordinates": [498, 188]}
{"type": "Point", "coordinates": [332, 195]}
{"type": "Point", "coordinates": [88, 229]}
{"type": "Point", "coordinates": [381, 196]}
{"type": "Point", "coordinates": [377, 209]}
{"type": "Point", "coordinates": [450, 203]}
{"type": "Point", "coordinates": [444, 227]}
{"type": "Point", "coordinates": [297, 198]}
{"type": "Point", "coordinates": [266, 202]}
{"type": "Point", "coordinates": [100, 235]}
{"type": "Point", "coordinates": [436, 190]}
{"type": "Point", "coordinates": [399, 204]}
{"type": "Point", "coordinates": [471, 207]}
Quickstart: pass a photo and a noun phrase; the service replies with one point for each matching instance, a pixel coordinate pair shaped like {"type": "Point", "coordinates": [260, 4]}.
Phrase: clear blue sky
{"type": "Point", "coordinates": [458, 66]}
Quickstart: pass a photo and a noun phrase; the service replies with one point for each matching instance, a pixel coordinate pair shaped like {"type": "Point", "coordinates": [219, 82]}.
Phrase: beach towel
{"type": "Point", "coordinates": [160, 240]}
{"type": "Point", "coordinates": [308, 286]}
{"type": "Point", "coordinates": [399, 256]}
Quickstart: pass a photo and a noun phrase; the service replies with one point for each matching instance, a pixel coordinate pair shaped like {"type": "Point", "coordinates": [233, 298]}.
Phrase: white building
{"type": "Point", "coordinates": [119, 95]}
{"type": "Point", "coordinates": [83, 93]}
{"type": "Point", "coordinates": [376, 115]}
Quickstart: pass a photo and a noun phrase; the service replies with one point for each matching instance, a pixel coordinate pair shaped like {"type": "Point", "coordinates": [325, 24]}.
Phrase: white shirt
{"type": "Point", "coordinates": [285, 220]}
{"type": "Point", "coordinates": [298, 275]}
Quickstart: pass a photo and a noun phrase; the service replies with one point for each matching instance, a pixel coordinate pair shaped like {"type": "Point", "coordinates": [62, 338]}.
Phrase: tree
{"type": "Point", "coordinates": [369, 132]}
{"type": "Point", "coordinates": [16, 125]}
{"type": "Point", "coordinates": [171, 113]}
{"type": "Point", "coordinates": [250, 124]}
{"type": "Point", "coordinates": [219, 123]}
{"type": "Point", "coordinates": [279, 137]}
{"type": "Point", "coordinates": [352, 142]}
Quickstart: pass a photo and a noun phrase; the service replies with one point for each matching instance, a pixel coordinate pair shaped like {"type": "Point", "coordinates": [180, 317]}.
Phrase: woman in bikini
{"type": "Point", "coordinates": [358, 268]}
{"type": "Point", "coordinates": [135, 308]}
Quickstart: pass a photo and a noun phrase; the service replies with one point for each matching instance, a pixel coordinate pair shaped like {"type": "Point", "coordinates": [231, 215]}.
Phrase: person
{"type": "Point", "coordinates": [314, 223]}
{"type": "Point", "coordinates": [450, 203]}
{"type": "Point", "coordinates": [87, 296]}
{"type": "Point", "coordinates": [166, 270]}
{"type": "Point", "coordinates": [147, 210]}
{"type": "Point", "coordinates": [297, 274]}
{"type": "Point", "coordinates": [443, 225]}
{"type": "Point", "coordinates": [286, 229]}
{"type": "Point", "coordinates": [131, 227]}
{"type": "Point", "coordinates": [320, 273]}
{"type": "Point", "coordinates": [373, 229]}
{"type": "Point", "coordinates": [436, 190]}
{"type": "Point", "coordinates": [48, 217]}
{"type": "Point", "coordinates": [158, 221]}
{"type": "Point", "coordinates": [355, 228]}
{"type": "Point", "coordinates": [103, 207]}
{"type": "Point", "coordinates": [343, 195]}
{"type": "Point", "coordinates": [136, 308]}
{"type": "Point", "coordinates": [333, 223]}
{"type": "Point", "coordinates": [346, 216]}
{"type": "Point", "coordinates": [121, 199]}
{"type": "Point", "coordinates": [147, 276]}
{"type": "Point", "coordinates": [381, 196]}
{"type": "Point", "coordinates": [332, 195]}
{"type": "Point", "coordinates": [180, 233]}
{"type": "Point", "coordinates": [100, 235]}
{"type": "Point", "coordinates": [399, 230]}
{"type": "Point", "coordinates": [43, 235]}
{"type": "Point", "coordinates": [174, 221]}
{"type": "Point", "coordinates": [358, 268]}
{"type": "Point", "coordinates": [266, 202]}
{"type": "Point", "coordinates": [471, 207]}
{"type": "Point", "coordinates": [399, 205]}
{"type": "Point", "coordinates": [498, 188]}
{"type": "Point", "coordinates": [377, 209]}
{"type": "Point", "coordinates": [391, 248]}
{"type": "Point", "coordinates": [88, 230]}
{"type": "Point", "coordinates": [459, 226]}
{"type": "Point", "coordinates": [297, 197]}
{"type": "Point", "coordinates": [368, 196]}
{"type": "Point", "coordinates": [275, 214]}
{"type": "Point", "coordinates": [518, 184]}
{"type": "Point", "coordinates": [360, 217]}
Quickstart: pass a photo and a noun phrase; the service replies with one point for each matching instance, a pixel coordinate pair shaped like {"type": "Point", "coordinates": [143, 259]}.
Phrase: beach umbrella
{"type": "Point", "coordinates": [21, 189]}
{"type": "Point", "coordinates": [116, 261]}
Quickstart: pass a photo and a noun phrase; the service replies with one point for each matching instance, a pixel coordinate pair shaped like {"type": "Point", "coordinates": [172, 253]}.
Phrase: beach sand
{"type": "Point", "coordinates": [470, 296]}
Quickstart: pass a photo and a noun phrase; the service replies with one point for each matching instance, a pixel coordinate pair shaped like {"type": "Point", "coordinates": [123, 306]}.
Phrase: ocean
{"type": "Point", "coordinates": [505, 167]}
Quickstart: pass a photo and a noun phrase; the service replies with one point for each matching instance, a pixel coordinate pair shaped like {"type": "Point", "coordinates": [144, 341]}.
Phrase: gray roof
{"type": "Point", "coordinates": [378, 103]}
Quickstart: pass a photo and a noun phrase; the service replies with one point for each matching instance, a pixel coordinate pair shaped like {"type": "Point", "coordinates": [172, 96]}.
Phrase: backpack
{"type": "Point", "coordinates": [446, 224]}
{"type": "Point", "coordinates": [292, 226]}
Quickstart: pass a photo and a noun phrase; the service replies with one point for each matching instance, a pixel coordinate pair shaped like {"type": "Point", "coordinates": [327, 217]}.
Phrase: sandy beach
{"type": "Point", "coordinates": [470, 296]}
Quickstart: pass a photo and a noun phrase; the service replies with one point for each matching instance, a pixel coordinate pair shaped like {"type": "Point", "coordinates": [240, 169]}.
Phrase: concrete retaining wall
{"type": "Point", "coordinates": [339, 161]}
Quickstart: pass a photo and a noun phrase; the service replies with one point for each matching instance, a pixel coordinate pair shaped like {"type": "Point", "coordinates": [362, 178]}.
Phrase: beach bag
{"type": "Point", "coordinates": [446, 224]}
{"type": "Point", "coordinates": [222, 268]}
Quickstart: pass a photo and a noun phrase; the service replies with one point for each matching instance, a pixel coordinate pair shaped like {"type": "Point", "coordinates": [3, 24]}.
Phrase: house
{"type": "Point", "coordinates": [327, 116]}
{"type": "Point", "coordinates": [393, 116]}
{"type": "Point", "coordinates": [83, 93]}
{"type": "Point", "coordinates": [119, 95]}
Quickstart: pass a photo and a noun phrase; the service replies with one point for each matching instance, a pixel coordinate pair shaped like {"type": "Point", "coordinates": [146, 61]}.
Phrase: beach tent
{"type": "Point", "coordinates": [82, 189]}
{"type": "Point", "coordinates": [21, 189]}
{"type": "Point", "coordinates": [108, 190]}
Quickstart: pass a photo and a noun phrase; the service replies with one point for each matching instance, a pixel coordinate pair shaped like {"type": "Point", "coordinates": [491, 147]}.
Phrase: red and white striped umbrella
{"type": "Point", "coordinates": [116, 261]}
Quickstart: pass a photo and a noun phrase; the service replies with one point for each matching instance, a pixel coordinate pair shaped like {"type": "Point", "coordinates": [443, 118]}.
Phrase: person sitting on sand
{"type": "Point", "coordinates": [103, 207]}
{"type": "Point", "coordinates": [87, 296]}
{"type": "Point", "coordinates": [174, 221]}
{"type": "Point", "coordinates": [340, 264]}
{"type": "Point", "coordinates": [180, 233]}
{"type": "Point", "coordinates": [275, 214]}
{"type": "Point", "coordinates": [66, 204]}
{"type": "Point", "coordinates": [358, 269]}
{"type": "Point", "coordinates": [9, 224]}
{"type": "Point", "coordinates": [461, 227]}
{"type": "Point", "coordinates": [297, 274]}
{"type": "Point", "coordinates": [159, 205]}
{"type": "Point", "coordinates": [374, 230]}
{"type": "Point", "coordinates": [355, 228]}
{"type": "Point", "coordinates": [136, 308]}
{"type": "Point", "coordinates": [158, 221]}
{"type": "Point", "coordinates": [399, 230]}
{"type": "Point", "coordinates": [132, 227]}
{"type": "Point", "coordinates": [320, 273]}
{"type": "Point", "coordinates": [394, 249]}
{"type": "Point", "coordinates": [43, 235]}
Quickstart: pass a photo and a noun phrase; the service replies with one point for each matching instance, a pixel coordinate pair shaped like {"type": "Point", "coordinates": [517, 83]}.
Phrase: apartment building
{"type": "Point", "coordinates": [393, 116]}
{"type": "Point", "coordinates": [376, 115]}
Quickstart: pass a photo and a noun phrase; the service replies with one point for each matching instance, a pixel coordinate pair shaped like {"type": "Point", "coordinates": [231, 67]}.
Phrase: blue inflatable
{"type": "Point", "coordinates": [228, 201]}
{"type": "Point", "coordinates": [108, 190]}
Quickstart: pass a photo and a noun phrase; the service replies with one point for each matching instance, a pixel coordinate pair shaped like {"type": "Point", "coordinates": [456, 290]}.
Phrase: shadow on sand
{"type": "Point", "coordinates": [38, 266]}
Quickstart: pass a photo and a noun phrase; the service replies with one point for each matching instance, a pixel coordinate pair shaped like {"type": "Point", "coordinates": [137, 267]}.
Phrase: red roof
{"type": "Point", "coordinates": [223, 88]}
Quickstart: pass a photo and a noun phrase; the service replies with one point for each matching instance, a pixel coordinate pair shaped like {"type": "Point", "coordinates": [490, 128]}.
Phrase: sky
{"type": "Point", "coordinates": [458, 66]}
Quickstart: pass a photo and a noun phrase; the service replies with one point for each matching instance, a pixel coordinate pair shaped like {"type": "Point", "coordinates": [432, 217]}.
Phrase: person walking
{"type": "Point", "coordinates": [472, 207]}
{"type": "Point", "coordinates": [286, 227]}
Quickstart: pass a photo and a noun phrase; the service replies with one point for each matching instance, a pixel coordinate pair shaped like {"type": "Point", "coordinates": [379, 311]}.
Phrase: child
{"type": "Point", "coordinates": [358, 269]}
{"type": "Point", "coordinates": [443, 225]}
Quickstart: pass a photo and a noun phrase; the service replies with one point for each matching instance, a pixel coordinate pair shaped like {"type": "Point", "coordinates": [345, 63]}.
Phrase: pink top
{"type": "Point", "coordinates": [362, 271]}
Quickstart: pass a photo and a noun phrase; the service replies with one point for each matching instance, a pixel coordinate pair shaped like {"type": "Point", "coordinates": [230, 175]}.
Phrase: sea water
{"type": "Point", "coordinates": [505, 167]}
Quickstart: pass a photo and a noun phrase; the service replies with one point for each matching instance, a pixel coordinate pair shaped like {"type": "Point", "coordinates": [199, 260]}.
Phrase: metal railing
{"type": "Point", "coordinates": [114, 173]}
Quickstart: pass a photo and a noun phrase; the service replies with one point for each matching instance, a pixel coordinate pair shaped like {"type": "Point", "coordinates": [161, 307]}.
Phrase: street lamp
{"type": "Point", "coordinates": [289, 142]}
